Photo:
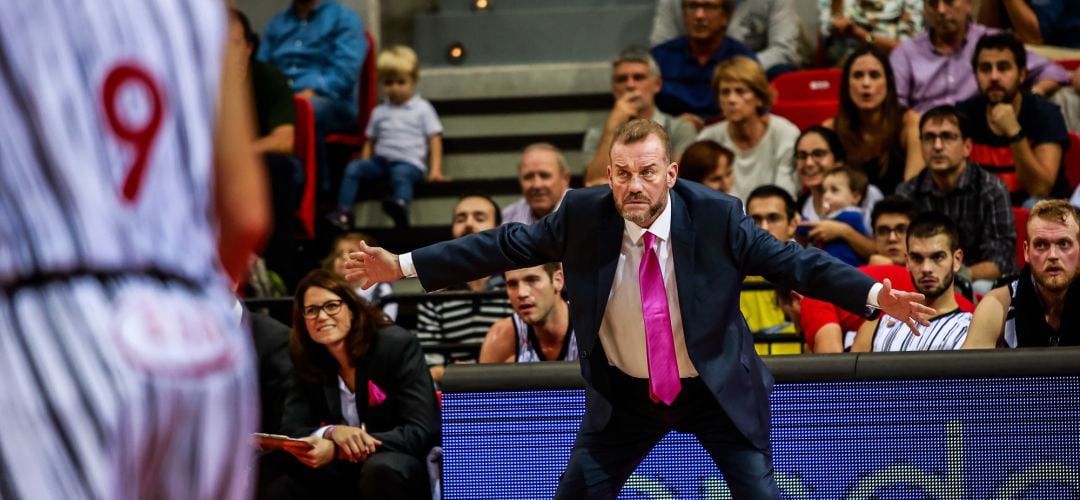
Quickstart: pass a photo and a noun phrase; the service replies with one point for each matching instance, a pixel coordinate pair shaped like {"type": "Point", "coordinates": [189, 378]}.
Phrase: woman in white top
{"type": "Point", "coordinates": [762, 142]}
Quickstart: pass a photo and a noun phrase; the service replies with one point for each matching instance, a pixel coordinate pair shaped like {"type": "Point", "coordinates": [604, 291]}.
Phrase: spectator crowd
{"type": "Point", "coordinates": [942, 169]}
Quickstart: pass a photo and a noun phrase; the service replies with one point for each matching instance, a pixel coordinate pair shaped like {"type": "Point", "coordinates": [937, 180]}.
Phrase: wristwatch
{"type": "Point", "coordinates": [1017, 136]}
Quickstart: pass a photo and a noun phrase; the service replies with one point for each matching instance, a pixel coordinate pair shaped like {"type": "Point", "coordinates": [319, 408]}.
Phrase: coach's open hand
{"type": "Point", "coordinates": [905, 306]}
{"type": "Point", "coordinates": [372, 265]}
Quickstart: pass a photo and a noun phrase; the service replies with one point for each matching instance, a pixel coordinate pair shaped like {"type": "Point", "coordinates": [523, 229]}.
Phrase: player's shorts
{"type": "Point", "coordinates": [123, 387]}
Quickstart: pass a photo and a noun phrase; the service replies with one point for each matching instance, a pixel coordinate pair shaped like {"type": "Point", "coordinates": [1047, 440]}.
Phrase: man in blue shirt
{"type": "Point", "coordinates": [687, 62]}
{"type": "Point", "coordinates": [319, 45]}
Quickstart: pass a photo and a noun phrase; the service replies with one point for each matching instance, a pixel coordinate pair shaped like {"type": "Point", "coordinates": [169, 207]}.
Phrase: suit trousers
{"type": "Point", "coordinates": [603, 459]}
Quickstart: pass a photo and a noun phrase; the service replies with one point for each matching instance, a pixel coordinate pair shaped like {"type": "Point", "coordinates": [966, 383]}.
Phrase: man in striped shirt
{"type": "Point", "coordinates": [466, 320]}
{"type": "Point", "coordinates": [934, 256]}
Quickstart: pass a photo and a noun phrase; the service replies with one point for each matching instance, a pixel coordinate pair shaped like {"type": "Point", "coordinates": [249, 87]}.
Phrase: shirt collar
{"type": "Point", "coordinates": [405, 105]}
{"type": "Point", "coordinates": [967, 178]}
{"type": "Point", "coordinates": [661, 227]}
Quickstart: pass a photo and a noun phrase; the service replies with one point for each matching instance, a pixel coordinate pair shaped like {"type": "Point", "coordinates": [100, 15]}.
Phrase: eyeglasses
{"type": "Point", "coordinates": [331, 307]}
{"type": "Point", "coordinates": [709, 8]}
{"type": "Point", "coordinates": [947, 138]}
{"type": "Point", "coordinates": [818, 154]}
{"type": "Point", "coordinates": [885, 231]}
{"type": "Point", "coordinates": [933, 4]}
{"type": "Point", "coordinates": [770, 219]}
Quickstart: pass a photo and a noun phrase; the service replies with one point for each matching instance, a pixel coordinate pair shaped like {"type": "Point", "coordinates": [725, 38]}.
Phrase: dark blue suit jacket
{"type": "Point", "coordinates": [714, 245]}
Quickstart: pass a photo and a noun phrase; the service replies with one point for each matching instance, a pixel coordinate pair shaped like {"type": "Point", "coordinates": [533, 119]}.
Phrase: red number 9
{"type": "Point", "coordinates": [140, 138]}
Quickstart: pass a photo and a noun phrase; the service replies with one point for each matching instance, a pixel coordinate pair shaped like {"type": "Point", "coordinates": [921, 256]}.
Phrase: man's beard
{"type": "Point", "coordinates": [1007, 96]}
{"type": "Point", "coordinates": [934, 293]}
{"type": "Point", "coordinates": [638, 218]}
{"type": "Point", "coordinates": [1057, 283]}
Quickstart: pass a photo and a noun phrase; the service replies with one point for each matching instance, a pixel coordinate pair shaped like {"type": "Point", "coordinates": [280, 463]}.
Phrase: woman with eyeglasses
{"type": "Point", "coordinates": [362, 398]}
{"type": "Point", "coordinates": [818, 150]}
{"type": "Point", "coordinates": [880, 136]}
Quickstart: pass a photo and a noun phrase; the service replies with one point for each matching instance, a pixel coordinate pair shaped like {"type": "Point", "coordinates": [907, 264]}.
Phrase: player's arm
{"type": "Point", "coordinates": [829, 338]}
{"type": "Point", "coordinates": [864, 339]}
{"type": "Point", "coordinates": [280, 140]}
{"type": "Point", "coordinates": [914, 162]}
{"type": "Point", "coordinates": [1037, 167]}
{"type": "Point", "coordinates": [240, 185]}
{"type": "Point", "coordinates": [988, 322]}
{"type": "Point", "coordinates": [500, 343]}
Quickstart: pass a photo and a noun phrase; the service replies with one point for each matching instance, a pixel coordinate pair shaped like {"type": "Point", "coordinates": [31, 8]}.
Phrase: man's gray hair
{"type": "Point", "coordinates": [636, 54]}
{"type": "Point", "coordinates": [564, 167]}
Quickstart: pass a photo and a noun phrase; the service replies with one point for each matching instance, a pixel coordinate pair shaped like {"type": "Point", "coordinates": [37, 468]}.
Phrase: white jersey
{"type": "Point", "coordinates": [106, 141]}
{"type": "Point", "coordinates": [125, 375]}
{"type": "Point", "coordinates": [946, 332]}
{"type": "Point", "coordinates": [528, 345]}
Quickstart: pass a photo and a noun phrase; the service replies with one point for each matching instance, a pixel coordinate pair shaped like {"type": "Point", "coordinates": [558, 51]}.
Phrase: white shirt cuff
{"type": "Point", "coordinates": [407, 267]}
{"type": "Point", "coordinates": [320, 431]}
{"type": "Point", "coordinates": [871, 298]}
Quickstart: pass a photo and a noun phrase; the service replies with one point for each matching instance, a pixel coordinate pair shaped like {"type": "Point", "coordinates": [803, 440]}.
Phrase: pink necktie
{"type": "Point", "coordinates": [664, 382]}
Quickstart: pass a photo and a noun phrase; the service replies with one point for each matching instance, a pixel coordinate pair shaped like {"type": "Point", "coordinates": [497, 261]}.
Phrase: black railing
{"type": "Point", "coordinates": [1033, 362]}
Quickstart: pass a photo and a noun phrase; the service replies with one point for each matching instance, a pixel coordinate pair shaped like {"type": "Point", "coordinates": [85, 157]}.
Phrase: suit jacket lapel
{"type": "Point", "coordinates": [682, 246]}
{"type": "Point", "coordinates": [361, 381]}
{"type": "Point", "coordinates": [608, 246]}
{"type": "Point", "coordinates": [331, 388]}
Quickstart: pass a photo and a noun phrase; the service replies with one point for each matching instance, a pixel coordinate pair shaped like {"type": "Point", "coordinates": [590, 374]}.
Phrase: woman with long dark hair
{"type": "Point", "coordinates": [362, 398]}
{"type": "Point", "coordinates": [880, 137]}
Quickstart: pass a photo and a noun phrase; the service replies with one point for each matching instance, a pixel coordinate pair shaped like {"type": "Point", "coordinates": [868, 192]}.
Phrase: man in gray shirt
{"type": "Point", "coordinates": [635, 81]}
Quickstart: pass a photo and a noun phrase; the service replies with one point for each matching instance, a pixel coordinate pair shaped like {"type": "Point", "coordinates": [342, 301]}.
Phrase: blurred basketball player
{"type": "Point", "coordinates": [123, 375]}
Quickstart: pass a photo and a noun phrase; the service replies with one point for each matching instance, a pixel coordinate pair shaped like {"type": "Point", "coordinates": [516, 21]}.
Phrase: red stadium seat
{"type": "Point", "coordinates": [807, 97]}
{"type": "Point", "coordinates": [1072, 160]}
{"type": "Point", "coordinates": [366, 101]}
{"type": "Point", "coordinates": [304, 149]}
{"type": "Point", "coordinates": [1021, 215]}
{"type": "Point", "coordinates": [808, 85]}
{"type": "Point", "coordinates": [806, 114]}
{"type": "Point", "coordinates": [1069, 64]}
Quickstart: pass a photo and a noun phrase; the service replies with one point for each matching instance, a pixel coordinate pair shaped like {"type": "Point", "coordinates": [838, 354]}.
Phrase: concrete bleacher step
{"type": "Point", "coordinates": [463, 6]}
{"type": "Point", "coordinates": [499, 164]}
{"type": "Point", "coordinates": [531, 35]}
{"type": "Point", "coordinates": [536, 123]}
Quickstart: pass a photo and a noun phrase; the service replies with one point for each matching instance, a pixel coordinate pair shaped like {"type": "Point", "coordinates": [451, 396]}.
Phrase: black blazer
{"type": "Point", "coordinates": [715, 246]}
{"type": "Point", "coordinates": [271, 339]}
{"type": "Point", "coordinates": [406, 421]}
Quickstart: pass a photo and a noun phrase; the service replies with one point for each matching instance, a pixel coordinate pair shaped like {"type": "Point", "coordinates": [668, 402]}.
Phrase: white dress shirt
{"type": "Point", "coordinates": [622, 331]}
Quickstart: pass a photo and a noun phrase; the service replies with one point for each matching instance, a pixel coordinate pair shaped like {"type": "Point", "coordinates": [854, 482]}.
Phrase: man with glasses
{"type": "Point", "coordinates": [974, 198]}
{"type": "Point", "coordinates": [687, 62]}
{"type": "Point", "coordinates": [773, 209]}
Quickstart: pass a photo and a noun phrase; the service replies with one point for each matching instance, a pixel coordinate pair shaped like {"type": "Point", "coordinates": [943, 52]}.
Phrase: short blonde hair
{"type": "Point", "coordinates": [398, 60]}
{"type": "Point", "coordinates": [1059, 211]}
{"type": "Point", "coordinates": [747, 71]}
